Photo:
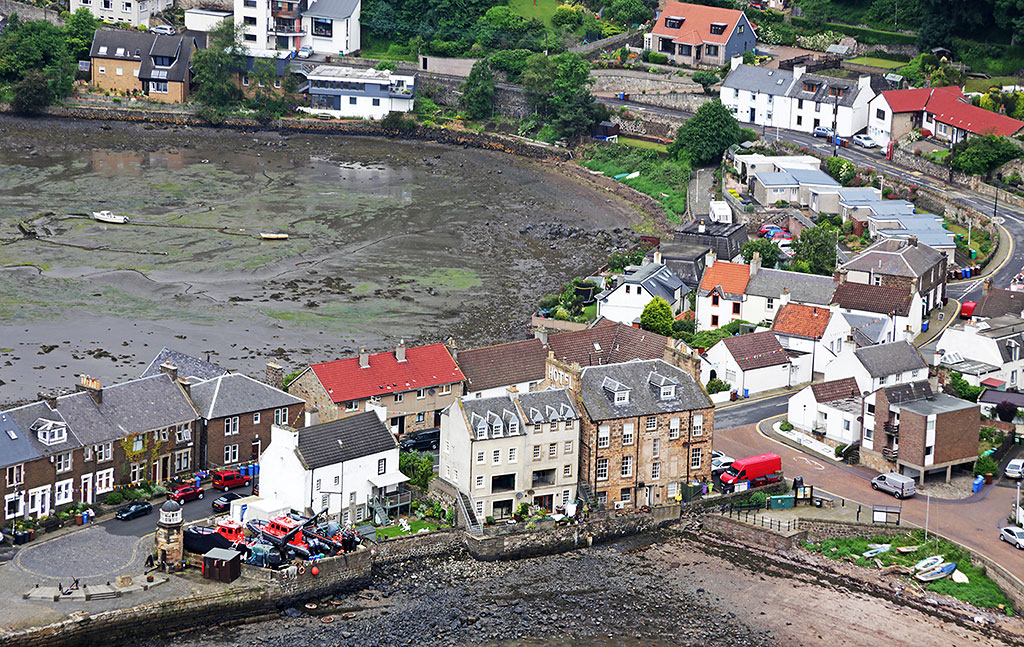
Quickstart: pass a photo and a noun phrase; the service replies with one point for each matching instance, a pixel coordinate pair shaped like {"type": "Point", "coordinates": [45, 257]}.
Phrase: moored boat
{"type": "Point", "coordinates": [107, 216]}
{"type": "Point", "coordinates": [937, 573]}
{"type": "Point", "coordinates": [272, 236]}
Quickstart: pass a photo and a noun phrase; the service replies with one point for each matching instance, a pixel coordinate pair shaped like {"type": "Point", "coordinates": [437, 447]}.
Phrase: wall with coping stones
{"type": "Point", "coordinates": [821, 530]}
{"type": "Point", "coordinates": [403, 549]}
{"type": "Point", "coordinates": [215, 5]}
{"type": "Point", "coordinates": [30, 12]}
{"type": "Point", "coordinates": [686, 101]}
{"type": "Point", "coordinates": [751, 534]}
{"type": "Point", "coordinates": [636, 81]}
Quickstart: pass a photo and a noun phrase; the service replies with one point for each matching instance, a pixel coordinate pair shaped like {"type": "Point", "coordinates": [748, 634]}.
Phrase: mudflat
{"type": "Point", "coordinates": [387, 240]}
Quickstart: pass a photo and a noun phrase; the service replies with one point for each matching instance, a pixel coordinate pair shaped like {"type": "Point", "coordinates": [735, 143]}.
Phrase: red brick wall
{"type": "Point", "coordinates": [956, 435]}
{"type": "Point", "coordinates": [248, 433]}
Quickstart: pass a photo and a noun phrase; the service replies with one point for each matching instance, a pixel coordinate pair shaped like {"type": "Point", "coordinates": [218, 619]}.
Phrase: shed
{"type": "Point", "coordinates": [606, 129]}
{"type": "Point", "coordinates": [222, 565]}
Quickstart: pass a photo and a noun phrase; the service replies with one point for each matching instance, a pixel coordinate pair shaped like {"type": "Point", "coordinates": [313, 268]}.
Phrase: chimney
{"type": "Point", "coordinates": [92, 387]}
{"type": "Point", "coordinates": [913, 241]}
{"type": "Point", "coordinates": [986, 287]}
{"type": "Point", "coordinates": [49, 397]}
{"type": "Point", "coordinates": [711, 258]}
{"type": "Point", "coordinates": [186, 386]}
{"type": "Point", "coordinates": [453, 349]}
{"type": "Point", "coordinates": [542, 335]}
{"type": "Point", "coordinates": [364, 358]}
{"type": "Point", "coordinates": [841, 276]}
{"type": "Point", "coordinates": [798, 71]}
{"type": "Point", "coordinates": [735, 61]}
{"type": "Point", "coordinates": [400, 351]}
{"type": "Point", "coordinates": [274, 375]}
{"type": "Point", "coordinates": [784, 297]}
{"type": "Point", "coordinates": [864, 81]}
{"type": "Point", "coordinates": [312, 415]}
{"type": "Point", "coordinates": [701, 227]}
{"type": "Point", "coordinates": [657, 257]}
{"type": "Point", "coordinates": [170, 370]}
{"type": "Point", "coordinates": [833, 308]}
{"type": "Point", "coordinates": [755, 264]}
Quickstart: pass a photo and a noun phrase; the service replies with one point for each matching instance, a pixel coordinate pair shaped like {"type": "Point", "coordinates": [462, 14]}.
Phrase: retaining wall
{"type": "Point", "coordinates": [686, 101]}
{"type": "Point", "coordinates": [637, 81]}
{"type": "Point", "coordinates": [403, 549]}
{"type": "Point", "coordinates": [30, 12]}
{"type": "Point", "coordinates": [751, 534]}
{"type": "Point", "coordinates": [651, 125]}
{"type": "Point", "coordinates": [820, 530]}
{"type": "Point", "coordinates": [508, 99]}
{"type": "Point", "coordinates": [215, 5]}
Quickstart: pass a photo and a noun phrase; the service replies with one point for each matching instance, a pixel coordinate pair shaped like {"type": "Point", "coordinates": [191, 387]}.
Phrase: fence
{"type": "Point", "coordinates": [752, 518]}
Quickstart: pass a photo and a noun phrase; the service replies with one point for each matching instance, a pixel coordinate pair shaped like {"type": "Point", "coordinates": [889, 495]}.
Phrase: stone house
{"type": "Point", "coordinates": [414, 385]}
{"type": "Point", "coordinates": [901, 264]}
{"type": "Point", "coordinates": [699, 35]}
{"type": "Point", "coordinates": [155, 65]}
{"type": "Point", "coordinates": [646, 433]}
{"type": "Point", "coordinates": [512, 448]}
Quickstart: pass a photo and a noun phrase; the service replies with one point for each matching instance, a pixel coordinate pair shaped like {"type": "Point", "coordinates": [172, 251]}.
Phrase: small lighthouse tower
{"type": "Point", "coordinates": [170, 544]}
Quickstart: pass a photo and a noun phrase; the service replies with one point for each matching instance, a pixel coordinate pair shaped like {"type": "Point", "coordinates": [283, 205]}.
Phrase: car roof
{"type": "Point", "coordinates": [1016, 461]}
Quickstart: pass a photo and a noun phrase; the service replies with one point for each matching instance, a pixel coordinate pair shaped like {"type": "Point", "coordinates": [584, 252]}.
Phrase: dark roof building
{"type": "Point", "coordinates": [841, 389]}
{"type": "Point", "coordinates": [803, 288]}
{"type": "Point", "coordinates": [490, 367]}
{"type": "Point", "coordinates": [890, 359]}
{"type": "Point", "coordinates": [191, 368]}
{"type": "Point", "coordinates": [607, 342]}
{"type": "Point", "coordinates": [756, 350]}
{"type": "Point", "coordinates": [873, 298]}
{"type": "Point", "coordinates": [343, 440]}
{"type": "Point", "coordinates": [686, 260]}
{"type": "Point", "coordinates": [725, 239]}
{"type": "Point", "coordinates": [639, 388]}
{"type": "Point", "coordinates": [233, 394]}
{"type": "Point", "coordinates": [995, 302]}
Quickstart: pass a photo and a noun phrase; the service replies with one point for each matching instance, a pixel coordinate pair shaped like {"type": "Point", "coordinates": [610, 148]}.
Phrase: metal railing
{"type": "Point", "coordinates": [394, 499]}
{"type": "Point", "coordinates": [753, 518]}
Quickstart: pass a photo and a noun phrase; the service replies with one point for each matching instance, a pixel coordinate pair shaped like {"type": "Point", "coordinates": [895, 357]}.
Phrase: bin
{"type": "Point", "coordinates": [979, 481]}
{"type": "Point", "coordinates": [924, 326]}
{"type": "Point", "coordinates": [85, 517]}
{"type": "Point", "coordinates": [79, 519]}
{"type": "Point", "coordinates": [733, 395]}
{"type": "Point", "coordinates": [746, 393]}
{"type": "Point", "coordinates": [781, 502]}
{"type": "Point", "coordinates": [974, 254]}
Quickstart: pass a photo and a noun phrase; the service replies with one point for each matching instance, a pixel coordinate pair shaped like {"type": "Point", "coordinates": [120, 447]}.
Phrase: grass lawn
{"type": "Point", "coordinates": [542, 10]}
{"type": "Point", "coordinates": [590, 312]}
{"type": "Point", "coordinates": [982, 85]}
{"type": "Point", "coordinates": [378, 49]}
{"type": "Point", "coordinates": [643, 143]}
{"type": "Point", "coordinates": [939, 157]}
{"type": "Point", "coordinates": [877, 62]}
{"type": "Point", "coordinates": [390, 532]}
{"type": "Point", "coordinates": [980, 591]}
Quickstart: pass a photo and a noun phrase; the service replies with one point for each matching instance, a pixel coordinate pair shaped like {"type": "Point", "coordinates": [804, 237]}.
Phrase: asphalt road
{"type": "Point", "coordinates": [750, 412]}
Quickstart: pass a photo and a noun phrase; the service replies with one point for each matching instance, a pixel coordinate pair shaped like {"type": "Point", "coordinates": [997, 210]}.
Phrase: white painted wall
{"type": "Point", "coordinates": [719, 359]}
{"type": "Point", "coordinates": [344, 39]}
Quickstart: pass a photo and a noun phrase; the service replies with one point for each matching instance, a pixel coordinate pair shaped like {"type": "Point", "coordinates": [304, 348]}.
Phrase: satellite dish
{"type": "Point", "coordinates": [529, 492]}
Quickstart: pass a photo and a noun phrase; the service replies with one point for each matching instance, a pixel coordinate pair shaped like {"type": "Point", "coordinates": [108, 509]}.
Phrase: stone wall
{"type": "Point", "coordinates": [30, 12]}
{"type": "Point", "coordinates": [651, 125]}
{"type": "Point", "coordinates": [687, 102]}
{"type": "Point", "coordinates": [637, 81]}
{"type": "Point", "coordinates": [751, 534]}
{"type": "Point", "coordinates": [905, 50]}
{"type": "Point", "coordinates": [508, 99]}
{"type": "Point", "coordinates": [907, 159]}
{"type": "Point", "coordinates": [403, 549]}
{"type": "Point", "coordinates": [820, 530]}
{"type": "Point", "coordinates": [586, 50]}
{"type": "Point", "coordinates": [215, 5]}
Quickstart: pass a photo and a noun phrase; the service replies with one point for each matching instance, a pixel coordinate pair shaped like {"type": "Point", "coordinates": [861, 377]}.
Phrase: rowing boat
{"type": "Point", "coordinates": [937, 573]}
{"type": "Point", "coordinates": [928, 563]}
{"type": "Point", "coordinates": [269, 236]}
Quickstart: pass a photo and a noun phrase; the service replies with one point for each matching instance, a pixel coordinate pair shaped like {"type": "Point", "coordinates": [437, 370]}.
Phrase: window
{"type": "Point", "coordinates": [602, 469]}
{"type": "Point", "coordinates": [809, 87]}
{"type": "Point", "coordinates": [479, 509]}
{"type": "Point", "coordinates": [513, 454]}
{"type": "Point", "coordinates": [351, 498]}
{"type": "Point", "coordinates": [698, 425]}
{"type": "Point", "coordinates": [730, 376]}
{"type": "Point", "coordinates": [137, 471]}
{"type": "Point", "coordinates": [880, 114]}
{"type": "Point", "coordinates": [479, 481]}
{"type": "Point", "coordinates": [119, 71]}
{"type": "Point", "coordinates": [421, 393]}
{"type": "Point", "coordinates": [245, 80]}
{"type": "Point", "coordinates": [323, 501]}
{"type": "Point", "coordinates": [108, 4]}
{"type": "Point", "coordinates": [420, 417]}
{"type": "Point", "coordinates": [871, 408]}
{"type": "Point", "coordinates": [711, 50]}
{"type": "Point", "coordinates": [668, 391]}
{"type": "Point", "coordinates": [382, 465]}
{"type": "Point", "coordinates": [277, 84]}
{"type": "Point", "coordinates": [231, 426]}
{"type": "Point", "coordinates": [337, 481]}
{"type": "Point", "coordinates": [627, 433]}
{"type": "Point", "coordinates": [159, 87]}
{"type": "Point", "coordinates": [736, 307]}
{"type": "Point", "coordinates": [602, 498]}
{"type": "Point", "coordinates": [799, 118]}
{"type": "Point", "coordinates": [323, 27]}
{"type": "Point", "coordinates": [565, 497]}
{"type": "Point", "coordinates": [696, 454]}
{"type": "Point", "coordinates": [673, 429]}
{"type": "Point", "coordinates": [182, 461]}
{"type": "Point", "coordinates": [351, 101]}
{"type": "Point", "coordinates": [446, 389]}
{"type": "Point", "coordinates": [104, 481]}
{"type": "Point", "coordinates": [929, 450]}
{"type": "Point", "coordinates": [399, 397]}
{"type": "Point", "coordinates": [250, 3]}
{"type": "Point", "coordinates": [626, 495]}
{"type": "Point", "coordinates": [714, 320]}
{"type": "Point", "coordinates": [740, 28]}
{"type": "Point", "coordinates": [250, 38]}
{"type": "Point", "coordinates": [63, 492]}
{"type": "Point", "coordinates": [63, 462]}
{"type": "Point", "coordinates": [627, 288]}
{"type": "Point", "coordinates": [627, 466]}
{"type": "Point", "coordinates": [553, 450]}
{"type": "Point", "coordinates": [655, 471]}
{"type": "Point", "coordinates": [714, 299]}
{"type": "Point", "coordinates": [846, 424]}
{"type": "Point", "coordinates": [496, 457]}
{"type": "Point", "coordinates": [942, 129]}
{"type": "Point", "coordinates": [836, 92]}
{"type": "Point", "coordinates": [376, 102]}
{"type": "Point", "coordinates": [651, 423]}
{"type": "Point", "coordinates": [604, 437]}
{"type": "Point", "coordinates": [536, 452]}
{"type": "Point", "coordinates": [15, 475]}
{"type": "Point", "coordinates": [249, 20]}
{"type": "Point", "coordinates": [656, 447]}
{"type": "Point", "coordinates": [567, 471]}
{"type": "Point", "coordinates": [181, 434]}
{"type": "Point", "coordinates": [162, 61]}
{"type": "Point", "coordinates": [480, 458]}
{"type": "Point", "coordinates": [771, 303]}
{"type": "Point", "coordinates": [568, 447]}
{"type": "Point", "coordinates": [717, 28]}
{"type": "Point", "coordinates": [1013, 376]}
{"type": "Point", "coordinates": [877, 279]}
{"type": "Point", "coordinates": [281, 416]}
{"type": "Point", "coordinates": [621, 397]}
{"type": "Point", "coordinates": [231, 456]}
{"type": "Point", "coordinates": [351, 405]}
{"type": "Point", "coordinates": [672, 489]}
{"type": "Point", "coordinates": [639, 290]}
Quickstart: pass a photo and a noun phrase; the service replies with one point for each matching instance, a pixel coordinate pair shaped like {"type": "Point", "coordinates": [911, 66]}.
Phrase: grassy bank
{"type": "Point", "coordinates": [979, 591]}
{"type": "Point", "coordinates": [542, 10]}
{"type": "Point", "coordinates": [643, 143]}
{"type": "Point", "coordinates": [663, 179]}
{"type": "Point", "coordinates": [878, 62]}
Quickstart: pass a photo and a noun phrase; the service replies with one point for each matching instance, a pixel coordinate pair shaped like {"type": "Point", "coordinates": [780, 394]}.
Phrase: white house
{"type": "Point", "coordinates": [639, 286]}
{"type": "Point", "coordinates": [132, 12]}
{"type": "Point", "coordinates": [513, 448]}
{"type": "Point", "coordinates": [904, 307]}
{"type": "Point", "coordinates": [829, 409]}
{"type": "Point", "coordinates": [987, 353]}
{"type": "Point", "coordinates": [807, 188]}
{"type": "Point", "coordinates": [819, 332]}
{"type": "Point", "coordinates": [748, 165]}
{"type": "Point", "coordinates": [753, 363]}
{"type": "Point", "coordinates": [878, 366]}
{"type": "Point", "coordinates": [945, 111]}
{"type": "Point", "coordinates": [366, 93]}
{"type": "Point", "coordinates": [330, 27]}
{"type": "Point", "coordinates": [757, 95]}
{"type": "Point", "coordinates": [348, 467]}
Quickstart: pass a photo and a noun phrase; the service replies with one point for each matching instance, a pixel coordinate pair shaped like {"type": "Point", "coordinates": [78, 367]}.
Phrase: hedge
{"type": "Point", "coordinates": [864, 35]}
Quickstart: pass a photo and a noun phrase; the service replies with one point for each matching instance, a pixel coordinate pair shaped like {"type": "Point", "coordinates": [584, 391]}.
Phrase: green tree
{"type": "Point", "coordinates": [31, 45]}
{"type": "Point", "coordinates": [706, 79]}
{"type": "Point", "coordinates": [32, 93]}
{"type": "Point", "coordinates": [215, 69]}
{"type": "Point", "coordinates": [982, 155]}
{"type": "Point", "coordinates": [271, 96]}
{"type": "Point", "coordinates": [816, 247]}
{"type": "Point", "coordinates": [418, 466]}
{"type": "Point", "coordinates": [657, 317]}
{"type": "Point", "coordinates": [569, 16]}
{"type": "Point", "coordinates": [769, 251]}
{"type": "Point", "coordinates": [477, 99]}
{"type": "Point", "coordinates": [557, 87]}
{"type": "Point", "coordinates": [627, 12]}
{"type": "Point", "coordinates": [79, 30]}
{"type": "Point", "coordinates": [962, 389]}
{"type": "Point", "coordinates": [706, 135]}
{"type": "Point", "coordinates": [537, 79]}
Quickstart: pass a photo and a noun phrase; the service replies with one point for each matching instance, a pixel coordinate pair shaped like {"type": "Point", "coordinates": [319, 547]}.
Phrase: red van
{"type": "Point", "coordinates": [225, 480]}
{"type": "Point", "coordinates": [759, 470]}
{"type": "Point", "coordinates": [967, 309]}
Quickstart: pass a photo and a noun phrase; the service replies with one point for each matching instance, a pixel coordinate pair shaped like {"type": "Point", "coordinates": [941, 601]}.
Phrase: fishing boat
{"type": "Point", "coordinates": [876, 549]}
{"type": "Point", "coordinates": [937, 573]}
{"type": "Point", "coordinates": [959, 577]}
{"type": "Point", "coordinates": [907, 549]}
{"type": "Point", "coordinates": [227, 534]}
{"type": "Point", "coordinates": [928, 563]}
{"type": "Point", "coordinates": [271, 236]}
{"type": "Point", "coordinates": [107, 216]}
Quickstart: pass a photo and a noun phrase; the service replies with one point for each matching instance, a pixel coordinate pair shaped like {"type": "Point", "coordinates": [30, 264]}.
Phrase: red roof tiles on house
{"type": "Point", "coordinates": [835, 390]}
{"type": "Point", "coordinates": [424, 367]}
{"type": "Point", "coordinates": [503, 364]}
{"type": "Point", "coordinates": [915, 99]}
{"type": "Point", "coordinates": [949, 105]}
{"type": "Point", "coordinates": [801, 321]}
{"type": "Point", "coordinates": [696, 27]}
{"type": "Point", "coordinates": [756, 350]}
{"type": "Point", "coordinates": [733, 277]}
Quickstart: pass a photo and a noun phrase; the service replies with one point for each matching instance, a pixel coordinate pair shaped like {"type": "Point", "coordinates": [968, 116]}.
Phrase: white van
{"type": "Point", "coordinates": [899, 486]}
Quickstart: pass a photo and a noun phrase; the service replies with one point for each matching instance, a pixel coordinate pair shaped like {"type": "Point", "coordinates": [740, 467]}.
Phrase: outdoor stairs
{"type": "Point", "coordinates": [586, 495]}
{"type": "Point", "coordinates": [380, 513]}
{"type": "Point", "coordinates": [468, 514]}
{"type": "Point", "coordinates": [102, 592]}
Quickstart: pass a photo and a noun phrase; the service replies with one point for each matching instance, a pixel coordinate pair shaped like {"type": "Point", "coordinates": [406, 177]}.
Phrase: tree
{"type": "Point", "coordinates": [32, 93]}
{"type": "Point", "coordinates": [569, 16]}
{"type": "Point", "coordinates": [657, 317]}
{"type": "Point", "coordinates": [706, 79]}
{"type": "Point", "coordinates": [31, 45]}
{"type": "Point", "coordinates": [706, 135]}
{"type": "Point", "coordinates": [557, 87]}
{"type": "Point", "coordinates": [982, 155]}
{"type": "Point", "coordinates": [1006, 411]}
{"type": "Point", "coordinates": [628, 12]}
{"type": "Point", "coordinates": [769, 251]}
{"type": "Point", "coordinates": [477, 99]}
{"type": "Point", "coordinates": [418, 466]}
{"type": "Point", "coordinates": [537, 78]}
{"type": "Point", "coordinates": [215, 68]}
{"type": "Point", "coordinates": [79, 30]}
{"type": "Point", "coordinates": [962, 389]}
{"type": "Point", "coordinates": [271, 98]}
{"type": "Point", "coordinates": [816, 247]}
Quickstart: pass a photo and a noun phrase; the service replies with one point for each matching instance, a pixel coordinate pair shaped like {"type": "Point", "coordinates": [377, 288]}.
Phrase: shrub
{"type": "Point", "coordinates": [716, 385]}
{"type": "Point", "coordinates": [657, 57]}
{"type": "Point", "coordinates": [114, 498]}
{"type": "Point", "coordinates": [985, 465]}
{"type": "Point", "coordinates": [549, 302]}
{"type": "Point", "coordinates": [396, 122]}
{"type": "Point", "coordinates": [786, 426]}
{"type": "Point", "coordinates": [757, 498]}
{"type": "Point", "coordinates": [387, 65]}
{"type": "Point", "coordinates": [489, 521]}
{"type": "Point", "coordinates": [840, 449]}
{"type": "Point", "coordinates": [1006, 411]}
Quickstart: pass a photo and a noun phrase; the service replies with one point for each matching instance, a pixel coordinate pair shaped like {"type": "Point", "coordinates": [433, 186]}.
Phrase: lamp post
{"type": "Point", "coordinates": [927, 510]}
{"type": "Point", "coordinates": [1016, 508]}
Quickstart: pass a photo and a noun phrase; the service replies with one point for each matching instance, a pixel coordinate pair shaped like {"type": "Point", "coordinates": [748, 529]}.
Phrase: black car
{"type": "Point", "coordinates": [132, 510]}
{"type": "Point", "coordinates": [421, 441]}
{"type": "Point", "coordinates": [223, 502]}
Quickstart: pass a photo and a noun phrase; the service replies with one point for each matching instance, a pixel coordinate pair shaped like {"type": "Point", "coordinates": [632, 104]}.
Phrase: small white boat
{"type": "Point", "coordinates": [928, 563]}
{"type": "Point", "coordinates": [269, 236]}
{"type": "Point", "coordinates": [907, 549]}
{"type": "Point", "coordinates": [876, 549]}
{"type": "Point", "coordinates": [959, 577]}
{"type": "Point", "coordinates": [936, 573]}
{"type": "Point", "coordinates": [106, 216]}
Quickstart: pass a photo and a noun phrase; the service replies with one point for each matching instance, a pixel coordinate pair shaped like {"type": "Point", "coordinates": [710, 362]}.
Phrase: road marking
{"type": "Point", "coordinates": [812, 463]}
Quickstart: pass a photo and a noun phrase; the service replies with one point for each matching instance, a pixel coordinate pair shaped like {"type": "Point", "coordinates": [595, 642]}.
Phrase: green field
{"type": "Point", "coordinates": [877, 62]}
{"type": "Point", "coordinates": [982, 85]}
{"type": "Point", "coordinates": [542, 10]}
{"type": "Point", "coordinates": [643, 143]}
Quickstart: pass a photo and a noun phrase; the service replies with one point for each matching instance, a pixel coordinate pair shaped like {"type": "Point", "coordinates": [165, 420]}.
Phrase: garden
{"type": "Point", "coordinates": [663, 179]}
{"type": "Point", "coordinates": [423, 518]}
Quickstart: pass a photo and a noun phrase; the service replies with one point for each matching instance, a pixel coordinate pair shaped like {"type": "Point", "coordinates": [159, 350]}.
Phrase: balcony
{"type": "Point", "coordinates": [394, 499]}
{"type": "Point", "coordinates": [890, 454]}
{"type": "Point", "coordinates": [892, 430]}
{"type": "Point", "coordinates": [286, 28]}
{"type": "Point", "coordinates": [402, 92]}
{"type": "Point", "coordinates": [543, 478]}
{"type": "Point", "coordinates": [292, 14]}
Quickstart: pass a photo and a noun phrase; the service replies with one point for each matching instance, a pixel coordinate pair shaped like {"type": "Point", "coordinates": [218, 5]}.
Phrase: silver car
{"type": "Point", "coordinates": [1015, 469]}
{"type": "Point", "coordinates": [1013, 535]}
{"type": "Point", "coordinates": [865, 141]}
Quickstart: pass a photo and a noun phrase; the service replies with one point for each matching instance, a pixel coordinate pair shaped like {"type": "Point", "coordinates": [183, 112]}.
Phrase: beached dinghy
{"type": "Point", "coordinates": [928, 563]}
{"type": "Point", "coordinates": [937, 573]}
{"type": "Point", "coordinates": [907, 549]}
{"type": "Point", "coordinates": [959, 577]}
{"type": "Point", "coordinates": [876, 549]}
{"type": "Point", "coordinates": [271, 236]}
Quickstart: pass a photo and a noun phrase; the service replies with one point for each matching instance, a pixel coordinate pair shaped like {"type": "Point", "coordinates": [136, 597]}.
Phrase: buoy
{"type": "Point", "coordinates": [327, 619]}
{"type": "Point", "coordinates": [315, 570]}
{"type": "Point", "coordinates": [311, 605]}
{"type": "Point", "coordinates": [302, 569]}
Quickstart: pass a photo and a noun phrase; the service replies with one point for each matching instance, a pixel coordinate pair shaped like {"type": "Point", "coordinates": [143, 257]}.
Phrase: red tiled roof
{"type": "Point", "coordinates": [733, 277]}
{"type": "Point", "coordinates": [802, 321]}
{"type": "Point", "coordinates": [993, 382]}
{"type": "Point", "coordinates": [424, 367]}
{"type": "Point", "coordinates": [756, 350]}
{"type": "Point", "coordinates": [914, 99]}
{"type": "Point", "coordinates": [835, 390]}
{"type": "Point", "coordinates": [607, 342]}
{"type": "Point", "coordinates": [873, 298]}
{"type": "Point", "coordinates": [696, 27]}
{"type": "Point", "coordinates": [959, 112]}
{"type": "Point", "coordinates": [503, 364]}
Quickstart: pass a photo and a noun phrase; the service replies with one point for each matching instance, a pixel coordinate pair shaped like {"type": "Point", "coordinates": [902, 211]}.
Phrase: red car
{"type": "Point", "coordinates": [766, 228]}
{"type": "Point", "coordinates": [225, 480]}
{"type": "Point", "coordinates": [184, 493]}
{"type": "Point", "coordinates": [780, 235]}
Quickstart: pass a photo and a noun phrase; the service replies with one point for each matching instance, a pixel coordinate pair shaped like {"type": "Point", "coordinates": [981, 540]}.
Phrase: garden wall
{"type": "Point", "coordinates": [820, 530]}
{"type": "Point", "coordinates": [215, 5]}
{"type": "Point", "coordinates": [751, 534]}
{"type": "Point", "coordinates": [429, 544]}
{"type": "Point", "coordinates": [637, 81]}
{"type": "Point", "coordinates": [508, 99]}
{"type": "Point", "coordinates": [30, 12]}
{"type": "Point", "coordinates": [687, 102]}
{"type": "Point", "coordinates": [651, 125]}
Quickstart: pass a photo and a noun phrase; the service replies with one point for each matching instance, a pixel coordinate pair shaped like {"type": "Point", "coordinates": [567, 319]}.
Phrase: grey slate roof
{"type": "Point", "coordinates": [889, 359]}
{"type": "Point", "coordinates": [896, 258]}
{"type": "Point", "coordinates": [726, 239]}
{"type": "Point", "coordinates": [812, 176]}
{"type": "Point", "coordinates": [27, 415]}
{"type": "Point", "coordinates": [759, 79]}
{"type": "Point", "coordinates": [331, 8]}
{"type": "Point", "coordinates": [776, 178]}
{"type": "Point", "coordinates": [803, 288]}
{"type": "Point", "coordinates": [938, 403]}
{"type": "Point", "coordinates": [232, 394]}
{"type": "Point", "coordinates": [992, 396]}
{"type": "Point", "coordinates": [334, 442]}
{"type": "Point", "coordinates": [866, 330]}
{"type": "Point", "coordinates": [547, 406]}
{"type": "Point", "coordinates": [996, 302]}
{"type": "Point", "coordinates": [908, 392]}
{"type": "Point", "coordinates": [685, 259]}
{"type": "Point", "coordinates": [130, 45]}
{"type": "Point", "coordinates": [823, 86]}
{"type": "Point", "coordinates": [496, 415]}
{"type": "Point", "coordinates": [191, 368]}
{"type": "Point", "coordinates": [15, 444]}
{"type": "Point", "coordinates": [644, 397]}
{"type": "Point", "coordinates": [133, 44]}
{"type": "Point", "coordinates": [657, 279]}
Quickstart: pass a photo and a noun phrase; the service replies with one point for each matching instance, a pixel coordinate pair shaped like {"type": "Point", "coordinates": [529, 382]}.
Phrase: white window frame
{"type": "Point", "coordinates": [446, 389]}
{"type": "Point", "coordinates": [63, 462]}
{"type": "Point", "coordinates": [655, 471]}
{"type": "Point", "coordinates": [231, 454]}
{"type": "Point", "coordinates": [626, 470]}
{"type": "Point", "coordinates": [567, 471]}
{"type": "Point", "coordinates": [656, 447]}
{"type": "Point", "coordinates": [481, 458]}
{"type": "Point", "coordinates": [496, 457]}
{"type": "Point", "coordinates": [673, 429]}
{"type": "Point", "coordinates": [256, 418]}
{"type": "Point", "coordinates": [696, 455]}
{"type": "Point", "coordinates": [651, 423]}
{"type": "Point", "coordinates": [421, 394]}
{"type": "Point", "coordinates": [513, 454]}
{"type": "Point", "coordinates": [231, 426]}
{"type": "Point", "coordinates": [399, 397]}
{"type": "Point", "coordinates": [538, 452]}
{"type": "Point", "coordinates": [479, 481]}
{"type": "Point", "coordinates": [604, 437]}
{"type": "Point", "coordinates": [698, 425]}
{"type": "Point", "coordinates": [628, 434]}
{"type": "Point", "coordinates": [64, 492]}
{"type": "Point", "coordinates": [105, 481]}
{"type": "Point", "coordinates": [567, 448]}
{"type": "Point", "coordinates": [552, 450]}
{"type": "Point", "coordinates": [602, 469]}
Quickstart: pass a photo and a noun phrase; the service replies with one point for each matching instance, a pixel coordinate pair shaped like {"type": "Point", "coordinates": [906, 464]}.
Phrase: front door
{"type": "Point", "coordinates": [256, 447]}
{"type": "Point", "coordinates": [437, 418]}
{"type": "Point", "coordinates": [156, 472]}
{"type": "Point", "coordinates": [753, 115]}
{"type": "Point", "coordinates": [87, 488]}
{"type": "Point", "coordinates": [545, 501]}
{"type": "Point", "coordinates": [398, 425]}
{"type": "Point", "coordinates": [165, 467]}
{"type": "Point", "coordinates": [649, 495]}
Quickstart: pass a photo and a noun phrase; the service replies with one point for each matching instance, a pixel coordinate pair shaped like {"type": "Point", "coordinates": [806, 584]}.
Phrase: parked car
{"type": "Point", "coordinates": [305, 51]}
{"type": "Point", "coordinates": [720, 463]}
{"type": "Point", "coordinates": [717, 454]}
{"type": "Point", "coordinates": [166, 30]}
{"type": "Point", "coordinates": [759, 470]}
{"type": "Point", "coordinates": [184, 493]}
{"type": "Point", "coordinates": [1015, 469]}
{"type": "Point", "coordinates": [786, 248]}
{"type": "Point", "coordinates": [1013, 535]}
{"type": "Point", "coordinates": [421, 441]}
{"type": "Point", "coordinates": [898, 485]}
{"type": "Point", "coordinates": [132, 510]}
{"type": "Point", "coordinates": [780, 235]}
{"type": "Point", "coordinates": [227, 479]}
{"type": "Point", "coordinates": [865, 141]}
{"type": "Point", "coordinates": [223, 502]}
{"type": "Point", "coordinates": [823, 131]}
{"type": "Point", "coordinates": [765, 228]}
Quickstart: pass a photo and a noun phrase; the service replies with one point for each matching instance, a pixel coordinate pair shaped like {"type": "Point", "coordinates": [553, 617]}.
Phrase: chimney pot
{"type": "Point", "coordinates": [92, 387]}
{"type": "Point", "coordinates": [542, 334]}
{"type": "Point", "coordinates": [400, 351]}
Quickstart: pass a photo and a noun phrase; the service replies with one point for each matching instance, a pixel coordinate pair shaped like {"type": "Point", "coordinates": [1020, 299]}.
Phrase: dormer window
{"type": "Point", "coordinates": [102, 50]}
{"type": "Point", "coordinates": [481, 431]}
{"type": "Point", "coordinates": [810, 87]}
{"type": "Point", "coordinates": [50, 432]}
{"type": "Point", "coordinates": [718, 28]}
{"type": "Point", "coordinates": [513, 426]}
{"type": "Point", "coordinates": [1014, 350]}
{"type": "Point", "coordinates": [837, 92]}
{"type": "Point", "coordinates": [496, 429]}
{"type": "Point", "coordinates": [621, 397]}
{"type": "Point", "coordinates": [668, 391]}
{"type": "Point", "coordinates": [674, 22]}
{"type": "Point", "coordinates": [162, 61]}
